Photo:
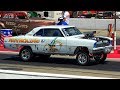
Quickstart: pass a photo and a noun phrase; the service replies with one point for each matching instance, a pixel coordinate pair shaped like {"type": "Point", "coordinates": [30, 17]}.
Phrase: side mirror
{"type": "Point", "coordinates": [67, 34]}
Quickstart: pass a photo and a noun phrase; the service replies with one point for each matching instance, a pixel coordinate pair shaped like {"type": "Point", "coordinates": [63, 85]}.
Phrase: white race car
{"type": "Point", "coordinates": [63, 40]}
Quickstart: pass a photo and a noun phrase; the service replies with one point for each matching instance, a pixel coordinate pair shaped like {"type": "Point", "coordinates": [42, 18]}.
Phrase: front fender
{"type": "Point", "coordinates": [74, 43]}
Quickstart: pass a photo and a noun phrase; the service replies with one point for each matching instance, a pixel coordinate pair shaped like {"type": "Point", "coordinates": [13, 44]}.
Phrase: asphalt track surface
{"type": "Point", "coordinates": [60, 65]}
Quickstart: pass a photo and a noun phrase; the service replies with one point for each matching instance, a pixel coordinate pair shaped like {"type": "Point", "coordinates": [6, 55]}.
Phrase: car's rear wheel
{"type": "Point", "coordinates": [100, 58]}
{"type": "Point", "coordinates": [83, 58]}
{"type": "Point", "coordinates": [26, 54]}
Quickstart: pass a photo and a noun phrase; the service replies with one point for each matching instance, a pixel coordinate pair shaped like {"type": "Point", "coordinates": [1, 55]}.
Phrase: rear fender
{"type": "Point", "coordinates": [23, 46]}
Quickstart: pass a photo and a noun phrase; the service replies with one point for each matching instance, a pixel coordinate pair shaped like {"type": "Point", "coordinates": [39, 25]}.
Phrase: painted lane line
{"type": "Point", "coordinates": [8, 52]}
{"type": "Point", "coordinates": [49, 75]}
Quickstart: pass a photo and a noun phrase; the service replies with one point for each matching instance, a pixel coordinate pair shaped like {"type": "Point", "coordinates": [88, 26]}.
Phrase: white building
{"type": "Point", "coordinates": [50, 14]}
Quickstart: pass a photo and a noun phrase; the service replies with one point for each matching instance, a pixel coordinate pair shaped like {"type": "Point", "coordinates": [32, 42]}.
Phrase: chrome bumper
{"type": "Point", "coordinates": [106, 49]}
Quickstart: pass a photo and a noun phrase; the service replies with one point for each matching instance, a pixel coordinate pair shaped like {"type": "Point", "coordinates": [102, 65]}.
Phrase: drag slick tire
{"type": "Point", "coordinates": [26, 54]}
{"type": "Point", "coordinates": [83, 58]}
{"type": "Point", "coordinates": [100, 58]}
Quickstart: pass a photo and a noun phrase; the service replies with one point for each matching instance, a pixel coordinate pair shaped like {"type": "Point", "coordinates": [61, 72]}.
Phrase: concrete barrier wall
{"type": "Point", "coordinates": [84, 23]}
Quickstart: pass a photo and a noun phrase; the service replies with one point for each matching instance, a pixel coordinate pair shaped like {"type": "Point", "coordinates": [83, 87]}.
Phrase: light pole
{"type": "Point", "coordinates": [115, 31]}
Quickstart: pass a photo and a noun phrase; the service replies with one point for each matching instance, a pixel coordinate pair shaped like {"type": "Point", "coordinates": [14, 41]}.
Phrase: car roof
{"type": "Point", "coordinates": [51, 26]}
{"type": "Point", "coordinates": [54, 26]}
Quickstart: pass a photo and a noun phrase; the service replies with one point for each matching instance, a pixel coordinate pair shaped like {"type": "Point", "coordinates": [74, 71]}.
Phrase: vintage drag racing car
{"type": "Point", "coordinates": [63, 40]}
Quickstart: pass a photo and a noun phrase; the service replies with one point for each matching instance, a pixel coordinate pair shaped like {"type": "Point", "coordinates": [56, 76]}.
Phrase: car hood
{"type": "Point", "coordinates": [78, 36]}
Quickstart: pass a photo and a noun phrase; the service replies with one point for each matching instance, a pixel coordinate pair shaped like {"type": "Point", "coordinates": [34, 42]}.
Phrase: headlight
{"type": "Point", "coordinates": [110, 42]}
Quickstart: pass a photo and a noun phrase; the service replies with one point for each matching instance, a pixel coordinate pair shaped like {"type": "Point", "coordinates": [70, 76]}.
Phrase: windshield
{"type": "Point", "coordinates": [71, 31]}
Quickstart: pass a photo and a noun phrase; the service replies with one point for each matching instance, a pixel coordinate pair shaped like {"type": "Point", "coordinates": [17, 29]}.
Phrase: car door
{"type": "Point", "coordinates": [53, 41]}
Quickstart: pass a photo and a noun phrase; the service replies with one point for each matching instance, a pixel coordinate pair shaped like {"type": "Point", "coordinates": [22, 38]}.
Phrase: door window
{"type": "Point", "coordinates": [49, 32]}
{"type": "Point", "coordinates": [52, 33]}
{"type": "Point", "coordinates": [39, 33]}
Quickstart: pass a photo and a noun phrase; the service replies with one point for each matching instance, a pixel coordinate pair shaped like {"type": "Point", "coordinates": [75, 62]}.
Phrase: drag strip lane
{"type": "Point", "coordinates": [60, 65]}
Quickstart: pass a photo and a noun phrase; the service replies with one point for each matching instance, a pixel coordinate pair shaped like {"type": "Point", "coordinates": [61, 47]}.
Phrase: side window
{"type": "Point", "coordinates": [21, 15]}
{"type": "Point", "coordinates": [39, 33]}
{"type": "Point", "coordinates": [51, 32]}
{"type": "Point", "coordinates": [8, 15]}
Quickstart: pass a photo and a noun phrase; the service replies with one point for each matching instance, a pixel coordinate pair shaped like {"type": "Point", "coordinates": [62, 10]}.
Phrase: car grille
{"type": "Point", "coordinates": [102, 43]}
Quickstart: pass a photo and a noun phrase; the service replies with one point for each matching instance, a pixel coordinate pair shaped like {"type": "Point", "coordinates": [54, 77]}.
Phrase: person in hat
{"type": "Point", "coordinates": [61, 21]}
{"type": "Point", "coordinates": [66, 16]}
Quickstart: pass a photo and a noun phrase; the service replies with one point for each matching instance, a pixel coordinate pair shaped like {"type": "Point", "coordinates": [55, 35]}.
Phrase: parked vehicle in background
{"type": "Point", "coordinates": [118, 14]}
{"type": "Point", "coordinates": [104, 14]}
{"type": "Point", "coordinates": [82, 14]}
{"type": "Point", "coordinates": [20, 21]}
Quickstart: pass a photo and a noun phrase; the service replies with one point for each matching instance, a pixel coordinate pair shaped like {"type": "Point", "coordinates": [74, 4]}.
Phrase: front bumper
{"type": "Point", "coordinates": [106, 49]}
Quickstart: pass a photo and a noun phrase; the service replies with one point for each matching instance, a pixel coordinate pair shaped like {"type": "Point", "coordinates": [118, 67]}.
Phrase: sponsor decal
{"type": "Point", "coordinates": [14, 40]}
{"type": "Point", "coordinates": [10, 23]}
{"type": "Point", "coordinates": [17, 25]}
{"type": "Point", "coordinates": [22, 26]}
{"type": "Point", "coordinates": [53, 46]}
{"type": "Point", "coordinates": [14, 46]}
{"type": "Point", "coordinates": [42, 41]}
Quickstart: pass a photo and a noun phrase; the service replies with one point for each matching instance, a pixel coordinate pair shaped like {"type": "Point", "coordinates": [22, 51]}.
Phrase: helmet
{"type": "Point", "coordinates": [60, 18]}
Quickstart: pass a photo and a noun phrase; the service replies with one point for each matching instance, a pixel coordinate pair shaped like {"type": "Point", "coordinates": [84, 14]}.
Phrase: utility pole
{"type": "Point", "coordinates": [115, 31]}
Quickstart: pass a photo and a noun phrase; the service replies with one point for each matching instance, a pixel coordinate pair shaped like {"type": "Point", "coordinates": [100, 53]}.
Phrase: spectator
{"type": "Point", "coordinates": [61, 21]}
{"type": "Point", "coordinates": [66, 16]}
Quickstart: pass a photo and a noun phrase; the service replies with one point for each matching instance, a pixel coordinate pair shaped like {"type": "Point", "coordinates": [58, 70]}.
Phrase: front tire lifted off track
{"type": "Point", "coordinates": [26, 54]}
{"type": "Point", "coordinates": [83, 58]}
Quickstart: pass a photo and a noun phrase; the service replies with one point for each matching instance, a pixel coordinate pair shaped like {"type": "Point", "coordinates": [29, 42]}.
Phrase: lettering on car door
{"type": "Point", "coordinates": [52, 41]}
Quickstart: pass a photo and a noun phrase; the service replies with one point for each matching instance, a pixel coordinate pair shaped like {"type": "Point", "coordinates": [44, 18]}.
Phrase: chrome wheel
{"type": "Point", "coordinates": [82, 58]}
{"type": "Point", "coordinates": [25, 54]}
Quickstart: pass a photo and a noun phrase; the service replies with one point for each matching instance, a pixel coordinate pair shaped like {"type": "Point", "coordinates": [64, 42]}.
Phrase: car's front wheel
{"type": "Point", "coordinates": [83, 58]}
{"type": "Point", "coordinates": [100, 58]}
{"type": "Point", "coordinates": [26, 54]}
